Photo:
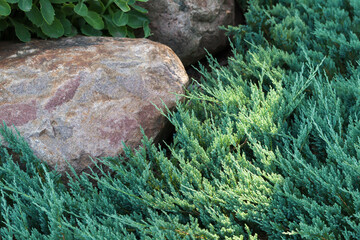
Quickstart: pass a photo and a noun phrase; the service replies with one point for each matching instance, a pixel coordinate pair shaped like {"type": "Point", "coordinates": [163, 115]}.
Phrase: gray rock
{"type": "Point", "coordinates": [189, 26]}
{"type": "Point", "coordinates": [80, 97]}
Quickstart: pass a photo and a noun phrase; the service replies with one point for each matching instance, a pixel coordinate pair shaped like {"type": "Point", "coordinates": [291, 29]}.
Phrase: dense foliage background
{"type": "Point", "coordinates": [265, 147]}
{"type": "Point", "coordinates": [56, 18]}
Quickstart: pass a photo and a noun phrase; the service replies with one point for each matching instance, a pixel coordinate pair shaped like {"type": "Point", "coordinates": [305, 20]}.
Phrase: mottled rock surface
{"type": "Point", "coordinates": [189, 26]}
{"type": "Point", "coordinates": [80, 97]}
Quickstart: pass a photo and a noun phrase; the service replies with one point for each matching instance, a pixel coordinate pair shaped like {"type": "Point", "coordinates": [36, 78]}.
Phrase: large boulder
{"type": "Point", "coordinates": [81, 97]}
{"type": "Point", "coordinates": [189, 26]}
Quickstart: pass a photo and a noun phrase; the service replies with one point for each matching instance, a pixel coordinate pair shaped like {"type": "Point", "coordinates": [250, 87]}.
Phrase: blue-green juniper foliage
{"type": "Point", "coordinates": [267, 146]}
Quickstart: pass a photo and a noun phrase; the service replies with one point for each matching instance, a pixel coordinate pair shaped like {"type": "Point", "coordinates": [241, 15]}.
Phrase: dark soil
{"type": "Point", "coordinates": [222, 58]}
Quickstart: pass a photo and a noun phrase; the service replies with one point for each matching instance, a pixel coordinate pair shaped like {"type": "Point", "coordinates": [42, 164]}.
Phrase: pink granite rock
{"type": "Point", "coordinates": [80, 97]}
{"type": "Point", "coordinates": [189, 26]}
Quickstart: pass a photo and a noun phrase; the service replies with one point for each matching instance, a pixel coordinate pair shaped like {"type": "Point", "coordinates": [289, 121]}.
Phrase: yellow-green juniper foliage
{"type": "Point", "coordinates": [267, 146]}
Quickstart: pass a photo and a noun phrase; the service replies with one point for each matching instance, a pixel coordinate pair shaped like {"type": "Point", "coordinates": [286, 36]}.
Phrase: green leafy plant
{"type": "Point", "coordinates": [57, 18]}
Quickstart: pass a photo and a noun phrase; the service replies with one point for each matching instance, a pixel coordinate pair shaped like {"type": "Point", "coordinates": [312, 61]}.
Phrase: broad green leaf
{"type": "Point", "coordinates": [88, 30]}
{"type": "Point", "coordinates": [59, 13]}
{"type": "Point", "coordinates": [120, 18]}
{"type": "Point", "coordinates": [96, 6]}
{"type": "Point", "coordinates": [21, 31]}
{"type": "Point", "coordinates": [114, 30]}
{"type": "Point", "coordinates": [142, 0]}
{"type": "Point", "coordinates": [122, 5]}
{"type": "Point", "coordinates": [25, 5]}
{"type": "Point", "coordinates": [12, 1]}
{"type": "Point", "coordinates": [139, 9]}
{"type": "Point", "coordinates": [5, 8]}
{"type": "Point", "coordinates": [146, 29]}
{"type": "Point", "coordinates": [74, 32]}
{"type": "Point", "coordinates": [62, 1]}
{"type": "Point", "coordinates": [67, 9]}
{"type": "Point", "coordinates": [55, 30]}
{"type": "Point", "coordinates": [47, 11]}
{"type": "Point", "coordinates": [69, 29]}
{"type": "Point", "coordinates": [81, 9]}
{"type": "Point", "coordinates": [34, 15]}
{"type": "Point", "coordinates": [95, 20]}
{"type": "Point", "coordinates": [130, 33]}
{"type": "Point", "coordinates": [39, 33]}
{"type": "Point", "coordinates": [136, 19]}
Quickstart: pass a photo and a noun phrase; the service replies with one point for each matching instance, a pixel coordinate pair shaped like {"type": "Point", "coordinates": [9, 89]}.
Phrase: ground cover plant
{"type": "Point", "coordinates": [267, 147]}
{"type": "Point", "coordinates": [56, 18]}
